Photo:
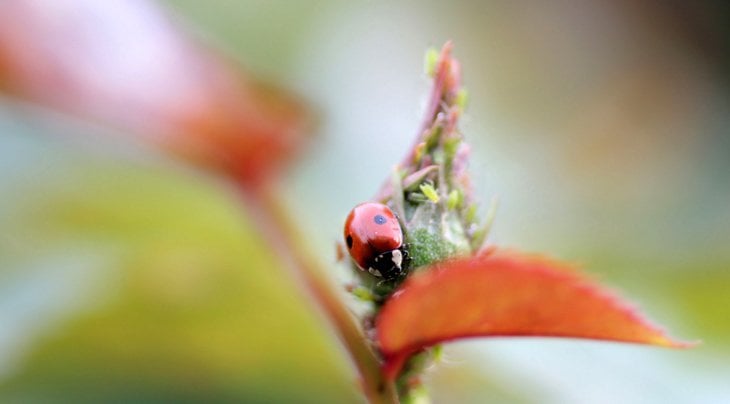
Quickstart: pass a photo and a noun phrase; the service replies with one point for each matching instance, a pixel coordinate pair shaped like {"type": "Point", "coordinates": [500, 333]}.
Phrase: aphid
{"type": "Point", "coordinates": [374, 239]}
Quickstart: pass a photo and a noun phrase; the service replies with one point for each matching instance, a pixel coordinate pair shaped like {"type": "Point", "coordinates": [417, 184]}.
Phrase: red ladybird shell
{"type": "Point", "coordinates": [371, 229]}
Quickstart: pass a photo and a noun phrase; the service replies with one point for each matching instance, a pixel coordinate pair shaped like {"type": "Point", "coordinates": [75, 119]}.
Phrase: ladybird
{"type": "Point", "coordinates": [374, 239]}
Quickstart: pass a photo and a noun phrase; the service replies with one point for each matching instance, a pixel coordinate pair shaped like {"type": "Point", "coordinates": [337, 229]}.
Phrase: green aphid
{"type": "Point", "coordinates": [430, 192]}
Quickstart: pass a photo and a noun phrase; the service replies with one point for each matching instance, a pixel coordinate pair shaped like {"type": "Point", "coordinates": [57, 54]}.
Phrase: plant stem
{"type": "Point", "coordinates": [273, 220]}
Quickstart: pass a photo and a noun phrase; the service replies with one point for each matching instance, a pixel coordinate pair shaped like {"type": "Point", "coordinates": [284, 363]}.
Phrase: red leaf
{"type": "Point", "coordinates": [127, 64]}
{"type": "Point", "coordinates": [504, 294]}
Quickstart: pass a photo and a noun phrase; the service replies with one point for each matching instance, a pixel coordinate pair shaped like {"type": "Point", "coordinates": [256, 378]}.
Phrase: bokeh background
{"type": "Point", "coordinates": [601, 127]}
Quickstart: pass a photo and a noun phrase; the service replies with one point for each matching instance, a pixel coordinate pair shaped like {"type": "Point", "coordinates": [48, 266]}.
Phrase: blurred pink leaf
{"type": "Point", "coordinates": [504, 294]}
{"type": "Point", "coordinates": [126, 64]}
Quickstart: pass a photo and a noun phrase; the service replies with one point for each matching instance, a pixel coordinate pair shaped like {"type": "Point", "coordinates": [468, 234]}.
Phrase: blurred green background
{"type": "Point", "coordinates": [600, 126]}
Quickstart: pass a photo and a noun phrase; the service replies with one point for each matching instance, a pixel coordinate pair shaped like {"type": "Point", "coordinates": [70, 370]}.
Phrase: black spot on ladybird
{"type": "Point", "coordinates": [349, 241]}
{"type": "Point", "coordinates": [380, 219]}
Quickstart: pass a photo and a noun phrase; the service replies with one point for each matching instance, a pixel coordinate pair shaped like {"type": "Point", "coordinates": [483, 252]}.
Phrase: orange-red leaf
{"type": "Point", "coordinates": [504, 294]}
{"type": "Point", "coordinates": [127, 64]}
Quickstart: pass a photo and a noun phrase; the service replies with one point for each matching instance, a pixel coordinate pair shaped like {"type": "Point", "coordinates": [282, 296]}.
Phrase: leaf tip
{"type": "Point", "coordinates": [666, 341]}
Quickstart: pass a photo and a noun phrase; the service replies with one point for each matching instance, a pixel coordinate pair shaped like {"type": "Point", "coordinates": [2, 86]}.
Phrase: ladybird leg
{"type": "Point", "coordinates": [375, 272]}
{"type": "Point", "coordinates": [404, 249]}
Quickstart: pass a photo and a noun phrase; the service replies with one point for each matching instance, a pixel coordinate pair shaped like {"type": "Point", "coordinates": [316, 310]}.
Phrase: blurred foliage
{"type": "Point", "coordinates": [189, 305]}
{"type": "Point", "coordinates": [476, 386]}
